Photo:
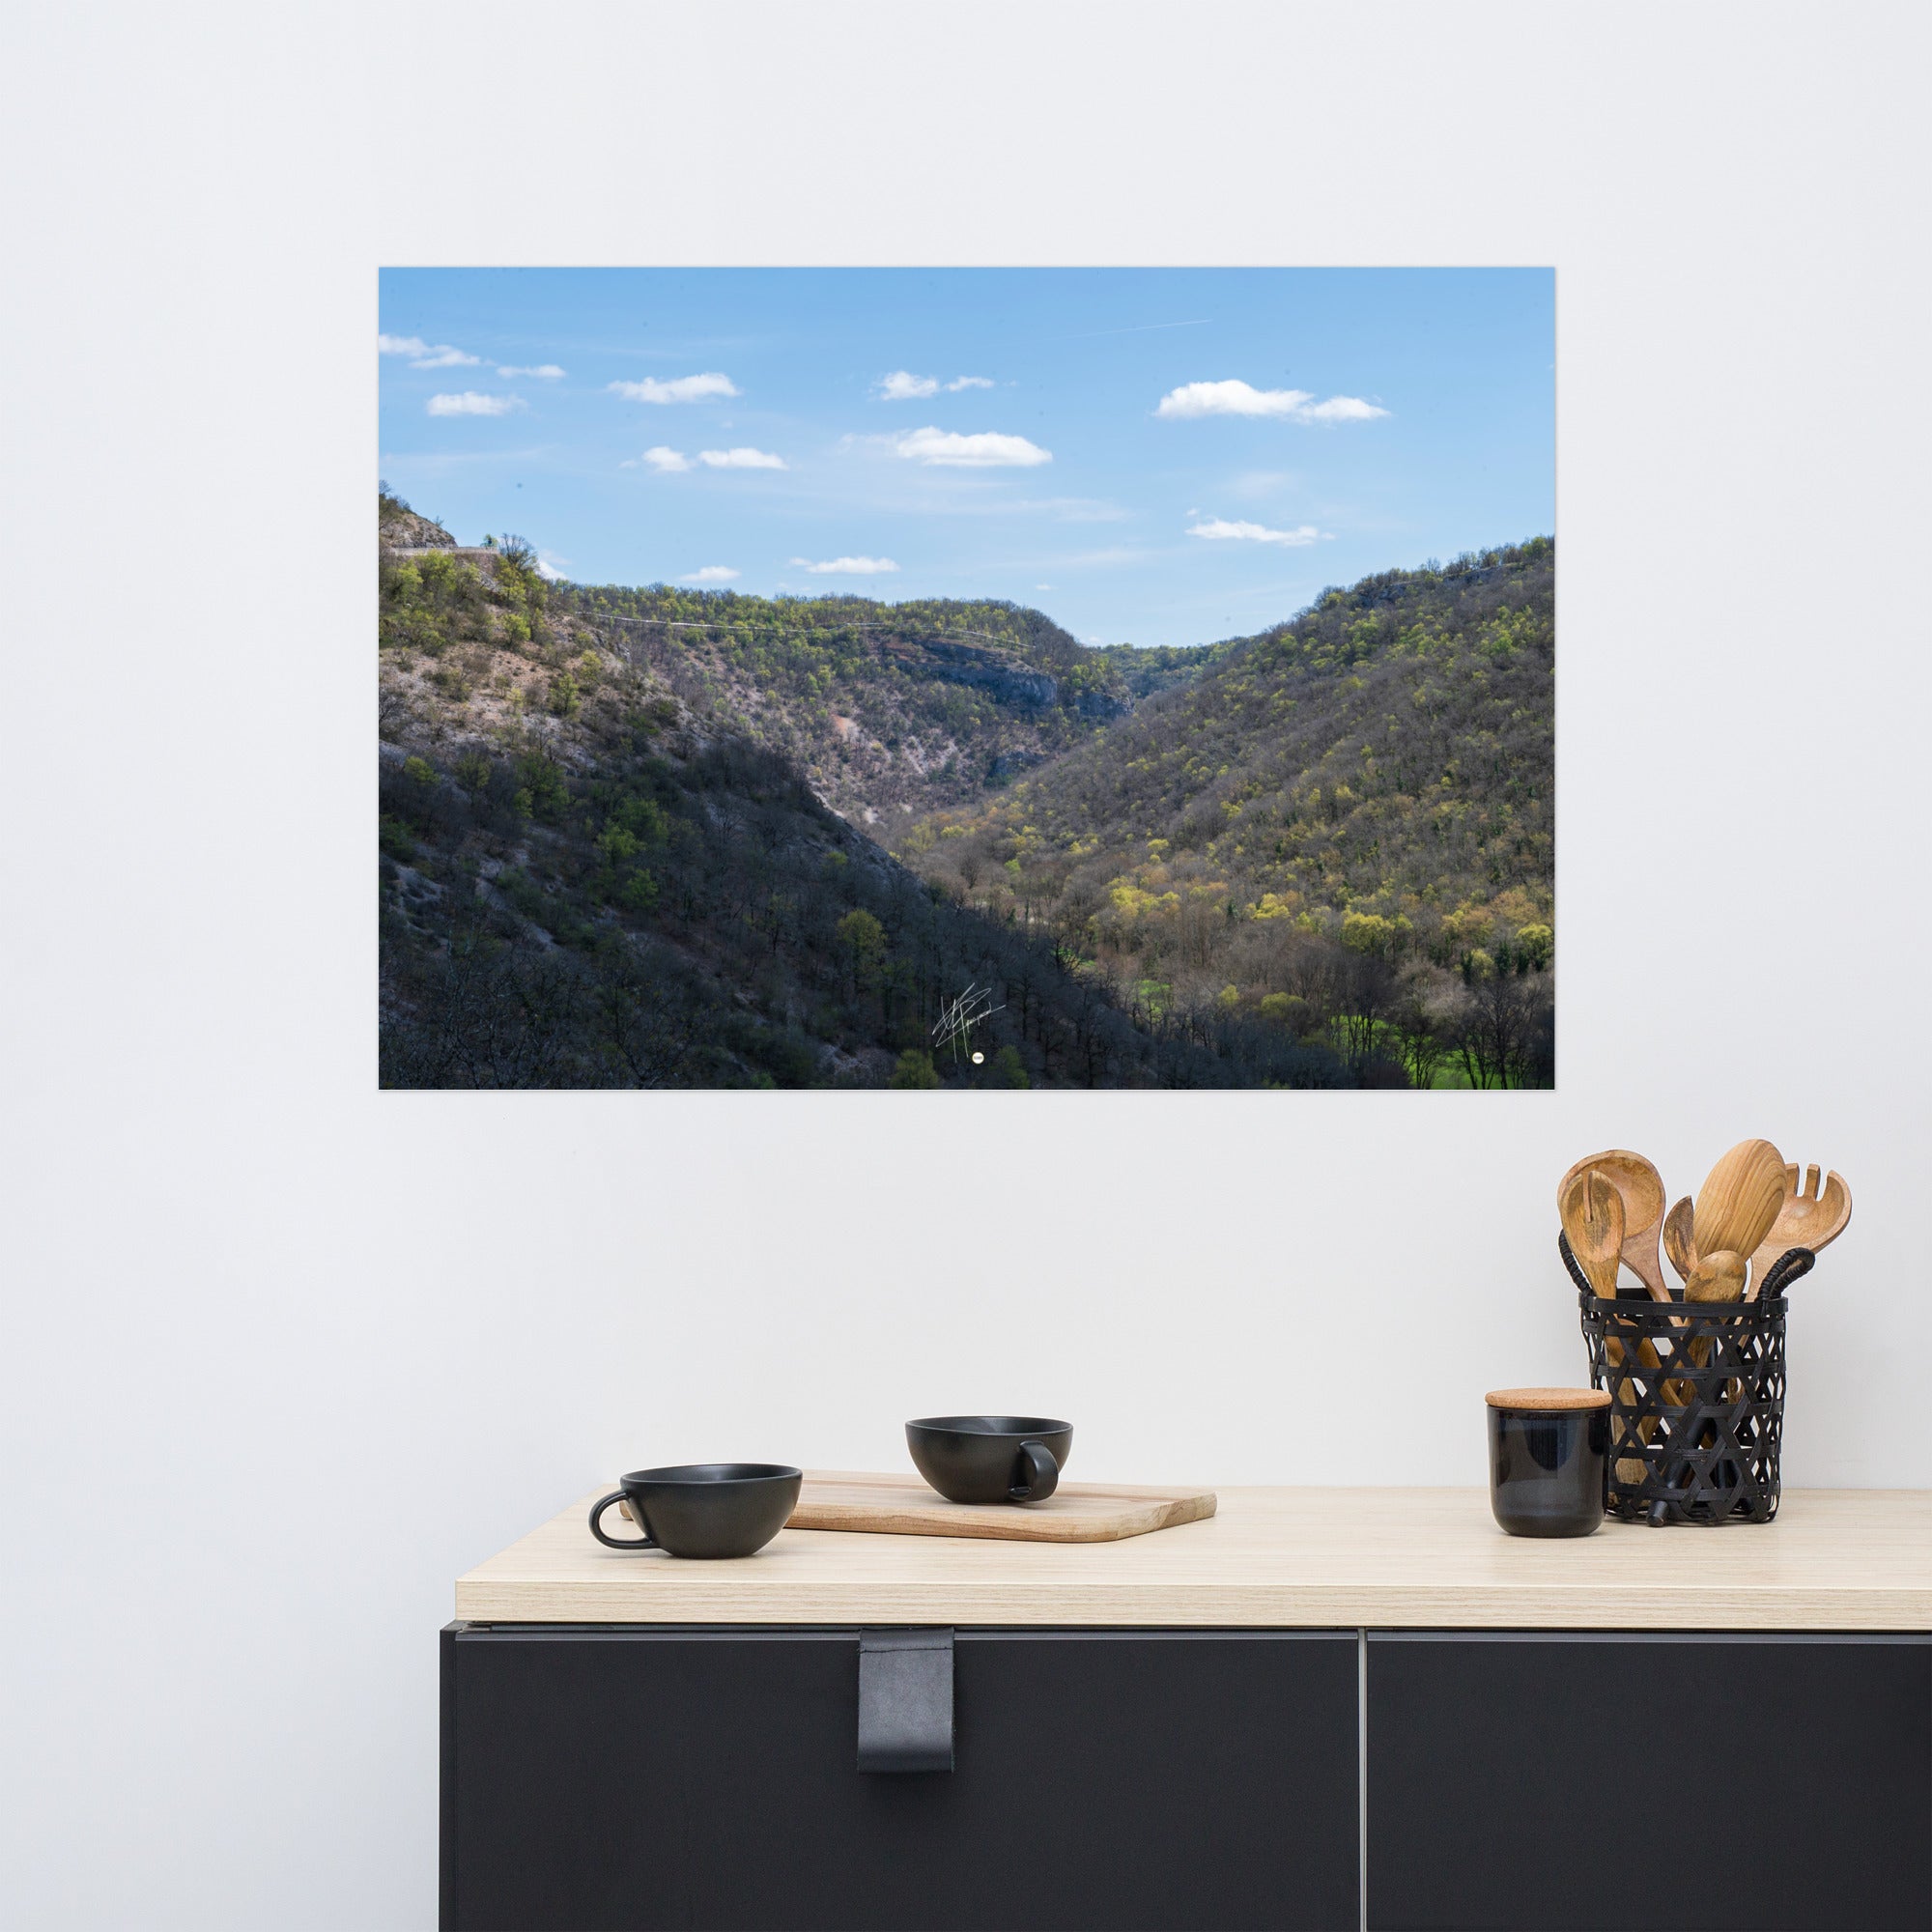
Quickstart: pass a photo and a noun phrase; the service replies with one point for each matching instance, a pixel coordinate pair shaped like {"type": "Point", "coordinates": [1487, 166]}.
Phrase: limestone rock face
{"type": "Point", "coordinates": [406, 531]}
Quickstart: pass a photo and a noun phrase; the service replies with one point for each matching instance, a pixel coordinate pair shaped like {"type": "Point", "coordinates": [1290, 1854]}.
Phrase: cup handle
{"type": "Point", "coordinates": [1041, 1474]}
{"type": "Point", "coordinates": [597, 1510]}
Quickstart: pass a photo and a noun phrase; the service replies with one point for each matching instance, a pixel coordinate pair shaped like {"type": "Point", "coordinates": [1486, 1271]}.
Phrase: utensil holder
{"type": "Point", "coordinates": [1703, 1408]}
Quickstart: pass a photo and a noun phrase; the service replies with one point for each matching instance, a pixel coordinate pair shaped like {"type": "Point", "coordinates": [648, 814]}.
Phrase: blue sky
{"type": "Point", "coordinates": [1157, 456]}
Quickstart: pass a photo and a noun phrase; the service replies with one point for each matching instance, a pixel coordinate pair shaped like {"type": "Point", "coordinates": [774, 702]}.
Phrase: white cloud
{"type": "Point", "coordinates": [740, 459]}
{"type": "Point", "coordinates": [679, 390]}
{"type": "Point", "coordinates": [847, 566]}
{"type": "Point", "coordinates": [1242, 399]}
{"type": "Point", "coordinates": [548, 372]}
{"type": "Point", "coordinates": [472, 404]}
{"type": "Point", "coordinates": [425, 354]}
{"type": "Point", "coordinates": [902, 385]}
{"type": "Point", "coordinates": [662, 458]}
{"type": "Point", "coordinates": [712, 573]}
{"type": "Point", "coordinates": [987, 451]}
{"type": "Point", "coordinates": [1344, 409]}
{"type": "Point", "coordinates": [1220, 528]}
{"type": "Point", "coordinates": [548, 567]}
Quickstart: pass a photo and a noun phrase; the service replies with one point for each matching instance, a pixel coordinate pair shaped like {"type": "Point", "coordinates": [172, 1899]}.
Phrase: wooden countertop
{"type": "Point", "coordinates": [1835, 1559]}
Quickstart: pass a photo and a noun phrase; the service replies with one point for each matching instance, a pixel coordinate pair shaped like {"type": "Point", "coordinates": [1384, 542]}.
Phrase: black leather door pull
{"type": "Point", "coordinates": [905, 1700]}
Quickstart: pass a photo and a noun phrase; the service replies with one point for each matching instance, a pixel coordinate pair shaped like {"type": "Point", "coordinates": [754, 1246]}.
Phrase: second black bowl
{"type": "Point", "coordinates": [990, 1459]}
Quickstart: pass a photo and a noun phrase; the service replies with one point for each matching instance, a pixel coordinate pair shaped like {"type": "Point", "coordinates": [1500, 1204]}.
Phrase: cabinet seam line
{"type": "Point", "coordinates": [1362, 1776]}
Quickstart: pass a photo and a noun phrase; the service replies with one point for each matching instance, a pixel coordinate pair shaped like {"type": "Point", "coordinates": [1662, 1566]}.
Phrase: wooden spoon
{"type": "Point", "coordinates": [1717, 1277]}
{"type": "Point", "coordinates": [1593, 1218]}
{"type": "Point", "coordinates": [1808, 1218]}
{"type": "Point", "coordinates": [1641, 1186]}
{"type": "Point", "coordinates": [1739, 1199]}
{"type": "Point", "coordinates": [1680, 1238]}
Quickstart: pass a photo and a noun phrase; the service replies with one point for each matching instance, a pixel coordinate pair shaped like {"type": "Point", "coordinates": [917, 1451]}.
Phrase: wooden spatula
{"type": "Point", "coordinates": [1740, 1199]}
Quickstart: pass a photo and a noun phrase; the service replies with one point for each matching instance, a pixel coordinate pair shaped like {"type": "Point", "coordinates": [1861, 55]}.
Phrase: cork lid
{"type": "Point", "coordinates": [1549, 1400]}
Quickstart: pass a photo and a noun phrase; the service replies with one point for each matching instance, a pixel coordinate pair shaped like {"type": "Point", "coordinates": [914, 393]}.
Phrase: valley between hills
{"type": "Point", "coordinates": [656, 838]}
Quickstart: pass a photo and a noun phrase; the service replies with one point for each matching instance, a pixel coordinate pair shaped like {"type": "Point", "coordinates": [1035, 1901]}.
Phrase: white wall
{"type": "Point", "coordinates": [283, 1354]}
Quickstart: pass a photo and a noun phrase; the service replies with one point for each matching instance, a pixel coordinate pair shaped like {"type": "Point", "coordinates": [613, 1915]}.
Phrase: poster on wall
{"type": "Point", "coordinates": [959, 679]}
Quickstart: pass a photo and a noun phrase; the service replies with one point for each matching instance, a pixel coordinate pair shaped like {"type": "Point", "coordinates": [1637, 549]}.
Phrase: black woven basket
{"type": "Point", "coordinates": [1696, 1399]}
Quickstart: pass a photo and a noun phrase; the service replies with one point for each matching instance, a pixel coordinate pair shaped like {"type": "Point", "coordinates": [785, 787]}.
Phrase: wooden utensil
{"type": "Point", "coordinates": [1641, 1187]}
{"type": "Point", "coordinates": [1739, 1199]}
{"type": "Point", "coordinates": [1717, 1277]}
{"type": "Point", "coordinates": [1680, 1243]}
{"type": "Point", "coordinates": [1592, 1212]}
{"type": "Point", "coordinates": [1679, 1239]}
{"type": "Point", "coordinates": [1593, 1221]}
{"type": "Point", "coordinates": [1809, 1217]}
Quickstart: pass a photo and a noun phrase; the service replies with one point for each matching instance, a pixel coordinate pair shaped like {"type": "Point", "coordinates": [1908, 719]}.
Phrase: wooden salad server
{"type": "Point", "coordinates": [1641, 1187]}
{"type": "Point", "coordinates": [1592, 1212]}
{"type": "Point", "coordinates": [1809, 1217]}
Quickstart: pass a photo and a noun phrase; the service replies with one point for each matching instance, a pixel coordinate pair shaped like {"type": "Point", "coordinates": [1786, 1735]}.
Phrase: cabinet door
{"type": "Point", "coordinates": [1621, 1782]}
{"type": "Point", "coordinates": [603, 1778]}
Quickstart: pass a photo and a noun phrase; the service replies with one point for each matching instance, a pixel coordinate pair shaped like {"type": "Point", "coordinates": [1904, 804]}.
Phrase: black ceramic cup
{"type": "Point", "coordinates": [702, 1509]}
{"type": "Point", "coordinates": [990, 1459]}
{"type": "Point", "coordinates": [1549, 1459]}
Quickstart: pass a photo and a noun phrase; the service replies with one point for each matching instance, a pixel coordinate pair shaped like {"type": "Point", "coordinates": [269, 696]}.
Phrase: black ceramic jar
{"type": "Point", "coordinates": [1549, 1459]}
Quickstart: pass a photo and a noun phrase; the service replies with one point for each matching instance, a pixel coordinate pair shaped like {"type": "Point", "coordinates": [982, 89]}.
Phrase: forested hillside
{"type": "Point", "coordinates": [638, 838]}
{"type": "Point", "coordinates": [588, 881]}
{"type": "Point", "coordinates": [887, 709]}
{"type": "Point", "coordinates": [1344, 823]}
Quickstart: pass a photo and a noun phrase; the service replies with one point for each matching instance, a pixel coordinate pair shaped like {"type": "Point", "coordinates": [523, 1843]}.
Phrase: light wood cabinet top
{"type": "Point", "coordinates": [1833, 1560]}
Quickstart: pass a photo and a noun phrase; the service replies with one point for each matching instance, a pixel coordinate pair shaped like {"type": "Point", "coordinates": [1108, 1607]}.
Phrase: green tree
{"type": "Point", "coordinates": [864, 939]}
{"type": "Point", "coordinates": [1289, 1010]}
{"type": "Point", "coordinates": [541, 791]}
{"type": "Point", "coordinates": [914, 1069]}
{"type": "Point", "coordinates": [1535, 946]}
{"type": "Point", "coordinates": [618, 845]}
{"type": "Point", "coordinates": [644, 818]}
{"type": "Point", "coordinates": [1009, 1069]}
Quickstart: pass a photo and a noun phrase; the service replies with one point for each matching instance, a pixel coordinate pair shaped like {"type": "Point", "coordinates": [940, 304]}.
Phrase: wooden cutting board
{"type": "Point", "coordinates": [1075, 1512]}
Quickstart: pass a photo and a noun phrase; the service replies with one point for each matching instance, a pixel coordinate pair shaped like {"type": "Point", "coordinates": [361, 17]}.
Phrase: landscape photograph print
{"type": "Point", "coordinates": [943, 679]}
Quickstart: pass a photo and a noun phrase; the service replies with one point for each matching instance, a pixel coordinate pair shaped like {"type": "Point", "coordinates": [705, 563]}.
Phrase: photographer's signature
{"type": "Point", "coordinates": [957, 1018]}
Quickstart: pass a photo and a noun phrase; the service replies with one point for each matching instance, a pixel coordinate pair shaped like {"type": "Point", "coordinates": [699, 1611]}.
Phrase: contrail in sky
{"type": "Point", "coordinates": [1140, 327]}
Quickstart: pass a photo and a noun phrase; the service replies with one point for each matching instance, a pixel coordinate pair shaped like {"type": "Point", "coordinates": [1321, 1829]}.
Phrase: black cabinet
{"type": "Point", "coordinates": [610, 1778]}
{"type": "Point", "coordinates": [1576, 1783]}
